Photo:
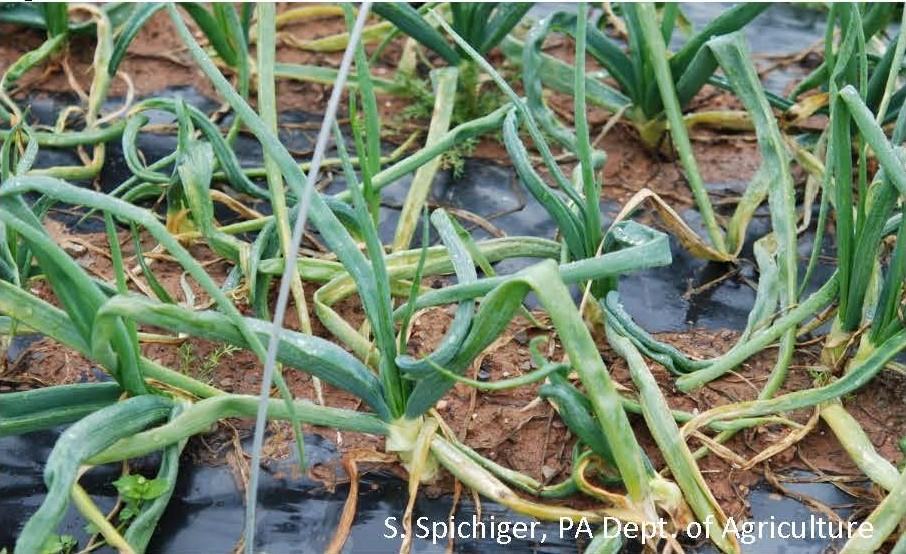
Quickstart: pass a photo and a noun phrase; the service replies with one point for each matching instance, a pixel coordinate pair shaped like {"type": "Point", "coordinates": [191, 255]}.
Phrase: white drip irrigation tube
{"type": "Point", "coordinates": [270, 362]}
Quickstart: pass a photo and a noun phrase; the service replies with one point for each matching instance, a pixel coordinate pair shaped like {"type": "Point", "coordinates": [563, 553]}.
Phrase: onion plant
{"type": "Point", "coordinates": [115, 26]}
{"type": "Point", "coordinates": [633, 86]}
{"type": "Point", "coordinates": [875, 19]}
{"type": "Point", "coordinates": [870, 297]}
{"type": "Point", "coordinates": [659, 90]}
{"type": "Point", "coordinates": [482, 25]}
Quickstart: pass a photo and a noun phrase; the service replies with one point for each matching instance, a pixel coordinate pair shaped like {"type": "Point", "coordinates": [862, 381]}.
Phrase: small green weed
{"type": "Point", "coordinates": [202, 369]}
{"type": "Point", "coordinates": [135, 490]}
{"type": "Point", "coordinates": [59, 544]}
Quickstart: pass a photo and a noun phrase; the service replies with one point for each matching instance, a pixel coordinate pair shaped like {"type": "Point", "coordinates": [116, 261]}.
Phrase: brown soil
{"type": "Point", "coordinates": [506, 427]}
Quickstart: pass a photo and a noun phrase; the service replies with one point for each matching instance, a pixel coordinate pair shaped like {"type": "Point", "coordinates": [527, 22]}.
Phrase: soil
{"type": "Point", "coordinates": [508, 427]}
